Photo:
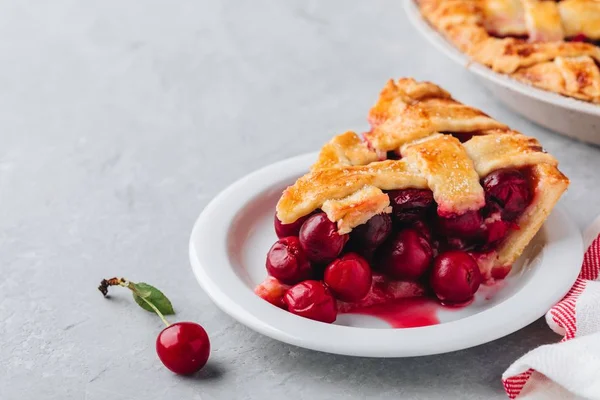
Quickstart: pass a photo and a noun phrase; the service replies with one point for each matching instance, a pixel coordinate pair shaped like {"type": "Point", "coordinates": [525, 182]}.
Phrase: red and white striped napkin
{"type": "Point", "coordinates": [569, 369]}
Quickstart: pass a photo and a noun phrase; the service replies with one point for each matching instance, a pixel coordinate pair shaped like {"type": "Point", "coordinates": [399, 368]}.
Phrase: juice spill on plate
{"type": "Point", "coordinates": [408, 313]}
{"type": "Point", "coordinates": [404, 313]}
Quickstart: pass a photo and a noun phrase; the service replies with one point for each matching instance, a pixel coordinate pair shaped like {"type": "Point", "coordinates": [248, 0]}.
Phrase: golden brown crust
{"type": "Point", "coordinates": [357, 208]}
{"type": "Point", "coordinates": [398, 117]}
{"type": "Point", "coordinates": [345, 149]}
{"type": "Point", "coordinates": [395, 96]}
{"type": "Point", "coordinates": [347, 181]}
{"type": "Point", "coordinates": [577, 77]}
{"type": "Point", "coordinates": [312, 190]}
{"type": "Point", "coordinates": [417, 111]}
{"type": "Point", "coordinates": [449, 171]}
{"type": "Point", "coordinates": [508, 149]}
{"type": "Point", "coordinates": [543, 60]}
{"type": "Point", "coordinates": [580, 16]}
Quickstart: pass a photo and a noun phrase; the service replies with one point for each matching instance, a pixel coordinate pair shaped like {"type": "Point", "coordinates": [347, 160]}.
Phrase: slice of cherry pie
{"type": "Point", "coordinates": [549, 44]}
{"type": "Point", "coordinates": [438, 198]}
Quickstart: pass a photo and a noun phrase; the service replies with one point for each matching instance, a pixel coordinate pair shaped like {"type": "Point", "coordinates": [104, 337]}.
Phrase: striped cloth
{"type": "Point", "coordinates": [569, 369]}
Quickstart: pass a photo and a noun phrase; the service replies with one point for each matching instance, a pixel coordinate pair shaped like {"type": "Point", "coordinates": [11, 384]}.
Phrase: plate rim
{"type": "Point", "coordinates": [211, 230]}
{"type": "Point", "coordinates": [442, 44]}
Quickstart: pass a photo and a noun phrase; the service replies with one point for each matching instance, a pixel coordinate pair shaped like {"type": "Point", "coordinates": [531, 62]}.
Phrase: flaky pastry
{"type": "Point", "coordinates": [552, 45]}
{"type": "Point", "coordinates": [421, 138]}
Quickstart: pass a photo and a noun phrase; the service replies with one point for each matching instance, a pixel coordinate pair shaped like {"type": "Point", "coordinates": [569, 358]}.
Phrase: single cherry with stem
{"type": "Point", "coordinates": [183, 347]}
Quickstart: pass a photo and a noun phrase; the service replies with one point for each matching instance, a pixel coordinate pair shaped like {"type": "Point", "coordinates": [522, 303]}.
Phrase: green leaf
{"type": "Point", "coordinates": [143, 291]}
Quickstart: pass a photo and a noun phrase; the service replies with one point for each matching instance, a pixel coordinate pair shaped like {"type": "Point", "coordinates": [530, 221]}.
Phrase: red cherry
{"type": "Point", "coordinates": [496, 231]}
{"type": "Point", "coordinates": [423, 229]}
{"type": "Point", "coordinates": [367, 237]}
{"type": "Point", "coordinates": [349, 277]}
{"type": "Point", "coordinates": [183, 347]}
{"type": "Point", "coordinates": [510, 190]}
{"type": "Point", "coordinates": [287, 261]}
{"type": "Point", "coordinates": [455, 277]}
{"type": "Point", "coordinates": [407, 255]}
{"type": "Point", "coordinates": [410, 204]}
{"type": "Point", "coordinates": [284, 230]}
{"type": "Point", "coordinates": [311, 299]}
{"type": "Point", "coordinates": [465, 226]}
{"type": "Point", "coordinates": [320, 240]}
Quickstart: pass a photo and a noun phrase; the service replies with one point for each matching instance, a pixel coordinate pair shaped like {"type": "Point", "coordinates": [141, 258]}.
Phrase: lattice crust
{"type": "Point", "coordinates": [544, 59]}
{"type": "Point", "coordinates": [400, 116]}
{"type": "Point", "coordinates": [577, 77]}
{"type": "Point", "coordinates": [357, 208]}
{"type": "Point", "coordinates": [508, 149]}
{"type": "Point", "coordinates": [347, 184]}
{"type": "Point", "coordinates": [345, 149]}
{"type": "Point", "coordinates": [449, 171]}
{"type": "Point", "coordinates": [313, 189]}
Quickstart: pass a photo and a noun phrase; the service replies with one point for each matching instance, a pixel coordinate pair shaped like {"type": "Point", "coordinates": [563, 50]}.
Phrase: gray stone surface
{"type": "Point", "coordinates": [120, 120]}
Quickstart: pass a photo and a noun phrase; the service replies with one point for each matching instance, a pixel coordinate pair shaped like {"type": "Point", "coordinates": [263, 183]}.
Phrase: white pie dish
{"type": "Point", "coordinates": [571, 117]}
{"type": "Point", "coordinates": [231, 237]}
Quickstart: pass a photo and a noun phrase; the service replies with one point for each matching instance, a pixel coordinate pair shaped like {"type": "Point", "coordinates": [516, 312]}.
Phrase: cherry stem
{"type": "Point", "coordinates": [129, 285]}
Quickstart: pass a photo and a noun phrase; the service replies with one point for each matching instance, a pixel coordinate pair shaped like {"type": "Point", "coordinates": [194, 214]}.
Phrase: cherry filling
{"type": "Point", "coordinates": [423, 229]}
{"type": "Point", "coordinates": [366, 238]}
{"type": "Point", "coordinates": [496, 230]}
{"type": "Point", "coordinates": [393, 155]}
{"type": "Point", "coordinates": [272, 291]}
{"type": "Point", "coordinates": [320, 240]}
{"type": "Point", "coordinates": [410, 205]}
{"type": "Point", "coordinates": [406, 253]}
{"type": "Point", "coordinates": [508, 191]}
{"type": "Point", "coordinates": [284, 230]}
{"type": "Point", "coordinates": [583, 38]}
{"type": "Point", "coordinates": [580, 37]}
{"type": "Point", "coordinates": [311, 299]}
{"type": "Point", "coordinates": [463, 136]}
{"type": "Point", "coordinates": [455, 277]}
{"type": "Point", "coordinates": [465, 226]}
{"type": "Point", "coordinates": [287, 261]}
{"type": "Point", "coordinates": [349, 277]}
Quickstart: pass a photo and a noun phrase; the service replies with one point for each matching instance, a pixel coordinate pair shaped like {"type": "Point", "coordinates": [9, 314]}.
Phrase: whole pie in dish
{"type": "Point", "coordinates": [552, 45]}
{"type": "Point", "coordinates": [437, 199]}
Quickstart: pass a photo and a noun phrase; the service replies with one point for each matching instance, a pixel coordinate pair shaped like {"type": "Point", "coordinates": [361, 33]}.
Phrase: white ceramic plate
{"type": "Point", "coordinates": [231, 238]}
{"type": "Point", "coordinates": [571, 117]}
